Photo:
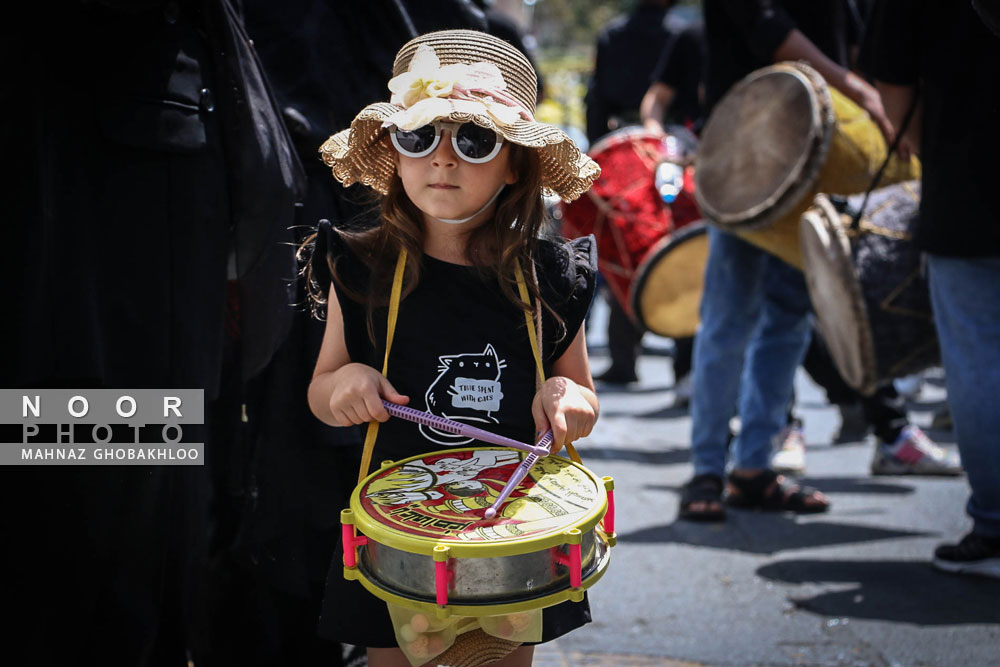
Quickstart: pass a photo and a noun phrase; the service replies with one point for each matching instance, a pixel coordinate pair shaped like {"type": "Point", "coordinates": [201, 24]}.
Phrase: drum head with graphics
{"type": "Point", "coordinates": [667, 291]}
{"type": "Point", "coordinates": [764, 145]}
{"type": "Point", "coordinates": [441, 499]}
{"type": "Point", "coordinates": [836, 294]}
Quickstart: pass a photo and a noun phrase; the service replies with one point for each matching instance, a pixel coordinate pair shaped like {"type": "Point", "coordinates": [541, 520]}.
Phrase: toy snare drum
{"type": "Point", "coordinates": [416, 533]}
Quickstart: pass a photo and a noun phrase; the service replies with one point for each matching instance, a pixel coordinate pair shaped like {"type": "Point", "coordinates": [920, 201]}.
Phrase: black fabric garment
{"type": "Point", "coordinates": [955, 58]}
{"type": "Point", "coordinates": [743, 35]}
{"type": "Point", "coordinates": [884, 410]}
{"type": "Point", "coordinates": [682, 67]}
{"type": "Point", "coordinates": [453, 325]}
{"type": "Point", "coordinates": [122, 219]}
{"type": "Point", "coordinates": [683, 352]}
{"type": "Point", "coordinates": [624, 339]}
{"type": "Point", "coordinates": [627, 51]}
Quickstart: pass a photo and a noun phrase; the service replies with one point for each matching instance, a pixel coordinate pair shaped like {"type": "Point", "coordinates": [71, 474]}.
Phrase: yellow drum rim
{"type": "Point", "coordinates": [487, 609]}
{"type": "Point", "coordinates": [424, 545]}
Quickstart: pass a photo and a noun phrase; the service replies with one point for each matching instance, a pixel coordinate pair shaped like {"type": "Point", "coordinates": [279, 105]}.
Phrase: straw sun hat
{"type": "Point", "coordinates": [462, 76]}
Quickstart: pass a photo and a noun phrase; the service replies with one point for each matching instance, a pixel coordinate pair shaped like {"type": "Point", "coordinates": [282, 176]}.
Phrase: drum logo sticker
{"type": "Point", "coordinates": [467, 389]}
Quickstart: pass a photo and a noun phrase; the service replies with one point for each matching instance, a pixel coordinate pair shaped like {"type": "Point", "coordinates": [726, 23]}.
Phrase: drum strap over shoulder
{"type": "Point", "coordinates": [522, 289]}
{"type": "Point", "coordinates": [394, 298]}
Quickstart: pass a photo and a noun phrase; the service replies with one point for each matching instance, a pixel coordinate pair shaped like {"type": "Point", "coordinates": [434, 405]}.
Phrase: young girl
{"type": "Point", "coordinates": [462, 166]}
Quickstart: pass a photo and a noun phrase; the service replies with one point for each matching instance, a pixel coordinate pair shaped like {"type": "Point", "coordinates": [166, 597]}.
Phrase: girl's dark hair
{"type": "Point", "coordinates": [492, 248]}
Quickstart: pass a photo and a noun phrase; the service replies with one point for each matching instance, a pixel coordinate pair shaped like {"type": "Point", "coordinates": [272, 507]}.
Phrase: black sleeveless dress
{"type": "Point", "coordinates": [453, 325]}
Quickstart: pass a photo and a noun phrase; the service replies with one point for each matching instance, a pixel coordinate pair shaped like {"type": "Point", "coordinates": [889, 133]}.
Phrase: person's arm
{"type": "Point", "coordinates": [796, 46]}
{"type": "Point", "coordinates": [567, 402]}
{"type": "Point", "coordinates": [897, 100]}
{"type": "Point", "coordinates": [343, 393]}
{"type": "Point", "coordinates": [891, 56]}
{"type": "Point", "coordinates": [654, 106]}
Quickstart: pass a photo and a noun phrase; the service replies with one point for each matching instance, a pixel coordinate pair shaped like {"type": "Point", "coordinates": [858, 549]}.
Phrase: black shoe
{"type": "Point", "coordinates": [975, 554]}
{"type": "Point", "coordinates": [617, 376]}
{"type": "Point", "coordinates": [853, 424]}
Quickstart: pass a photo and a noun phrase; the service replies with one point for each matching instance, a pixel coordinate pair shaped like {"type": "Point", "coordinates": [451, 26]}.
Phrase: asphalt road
{"type": "Point", "coordinates": [849, 587]}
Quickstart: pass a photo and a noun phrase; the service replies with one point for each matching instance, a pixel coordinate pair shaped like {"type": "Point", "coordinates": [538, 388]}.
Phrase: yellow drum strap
{"type": "Point", "coordinates": [397, 288]}
{"type": "Point", "coordinates": [522, 289]}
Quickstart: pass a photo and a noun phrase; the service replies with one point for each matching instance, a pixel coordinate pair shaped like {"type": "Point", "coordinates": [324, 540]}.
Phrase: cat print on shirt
{"type": "Point", "coordinates": [467, 390]}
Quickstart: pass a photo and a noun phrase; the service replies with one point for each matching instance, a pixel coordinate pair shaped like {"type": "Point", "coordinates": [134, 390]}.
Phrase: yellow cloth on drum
{"type": "Point", "coordinates": [857, 150]}
{"type": "Point", "coordinates": [423, 636]}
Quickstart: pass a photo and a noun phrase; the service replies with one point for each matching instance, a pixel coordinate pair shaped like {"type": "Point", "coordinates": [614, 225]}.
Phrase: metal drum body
{"type": "Point", "coordinates": [776, 139]}
{"type": "Point", "coordinates": [625, 211]}
{"type": "Point", "coordinates": [422, 526]}
{"type": "Point", "coordinates": [871, 298]}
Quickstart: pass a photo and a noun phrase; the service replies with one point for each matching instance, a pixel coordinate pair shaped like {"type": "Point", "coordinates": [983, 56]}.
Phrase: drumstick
{"type": "Point", "coordinates": [519, 474]}
{"type": "Point", "coordinates": [458, 428]}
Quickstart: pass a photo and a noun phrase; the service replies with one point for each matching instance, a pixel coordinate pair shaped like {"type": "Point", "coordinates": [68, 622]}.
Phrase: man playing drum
{"type": "Point", "coordinates": [953, 50]}
{"type": "Point", "coordinates": [740, 323]}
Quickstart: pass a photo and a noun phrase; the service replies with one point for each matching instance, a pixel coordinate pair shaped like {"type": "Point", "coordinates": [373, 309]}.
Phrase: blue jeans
{"type": "Point", "coordinates": [754, 308]}
{"type": "Point", "coordinates": [965, 294]}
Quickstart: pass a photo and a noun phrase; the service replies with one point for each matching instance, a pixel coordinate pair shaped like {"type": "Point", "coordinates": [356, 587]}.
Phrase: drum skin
{"type": "Point", "coordinates": [410, 510]}
{"type": "Point", "coordinates": [867, 287]}
{"type": "Point", "coordinates": [778, 138]}
{"type": "Point", "coordinates": [623, 209]}
{"type": "Point", "coordinates": [667, 290]}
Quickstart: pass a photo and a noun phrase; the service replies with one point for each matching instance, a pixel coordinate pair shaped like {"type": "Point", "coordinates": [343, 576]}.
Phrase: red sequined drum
{"type": "Point", "coordinates": [626, 212]}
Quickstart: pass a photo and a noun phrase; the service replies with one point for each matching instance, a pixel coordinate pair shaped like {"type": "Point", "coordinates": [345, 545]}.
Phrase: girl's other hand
{"type": "Point", "coordinates": [358, 390]}
{"type": "Point", "coordinates": [563, 406]}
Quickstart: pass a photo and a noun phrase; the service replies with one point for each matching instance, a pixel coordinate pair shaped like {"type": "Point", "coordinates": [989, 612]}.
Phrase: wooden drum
{"type": "Point", "coordinates": [871, 298]}
{"type": "Point", "coordinates": [779, 137]}
{"type": "Point", "coordinates": [669, 282]}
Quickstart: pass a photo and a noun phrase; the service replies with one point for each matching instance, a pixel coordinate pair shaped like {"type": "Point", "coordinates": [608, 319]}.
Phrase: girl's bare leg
{"type": "Point", "coordinates": [387, 657]}
{"type": "Point", "coordinates": [393, 657]}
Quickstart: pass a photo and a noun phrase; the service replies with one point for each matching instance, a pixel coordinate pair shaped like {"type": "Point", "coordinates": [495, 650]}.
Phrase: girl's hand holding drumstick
{"type": "Point", "coordinates": [357, 393]}
{"type": "Point", "coordinates": [565, 407]}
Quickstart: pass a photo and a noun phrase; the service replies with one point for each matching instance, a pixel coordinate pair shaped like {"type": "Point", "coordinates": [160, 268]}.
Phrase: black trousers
{"type": "Point", "coordinates": [625, 338]}
{"type": "Point", "coordinates": [884, 410]}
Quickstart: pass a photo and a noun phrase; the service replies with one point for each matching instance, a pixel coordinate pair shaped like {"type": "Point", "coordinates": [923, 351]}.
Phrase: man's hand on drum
{"type": "Point", "coordinates": [565, 407]}
{"type": "Point", "coordinates": [868, 98]}
{"type": "Point", "coordinates": [357, 393]}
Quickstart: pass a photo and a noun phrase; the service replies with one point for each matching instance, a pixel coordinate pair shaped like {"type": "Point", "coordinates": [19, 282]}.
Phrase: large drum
{"type": "Point", "coordinates": [626, 212]}
{"type": "Point", "coordinates": [779, 137]}
{"type": "Point", "coordinates": [426, 545]}
{"type": "Point", "coordinates": [867, 286]}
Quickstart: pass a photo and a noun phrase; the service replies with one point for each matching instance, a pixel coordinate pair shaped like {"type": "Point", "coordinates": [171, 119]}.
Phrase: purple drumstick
{"type": "Point", "coordinates": [458, 428]}
{"type": "Point", "coordinates": [519, 474]}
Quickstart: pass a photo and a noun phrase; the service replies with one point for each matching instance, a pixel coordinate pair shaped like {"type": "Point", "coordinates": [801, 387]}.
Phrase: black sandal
{"type": "Point", "coordinates": [771, 492]}
{"type": "Point", "coordinates": [707, 490]}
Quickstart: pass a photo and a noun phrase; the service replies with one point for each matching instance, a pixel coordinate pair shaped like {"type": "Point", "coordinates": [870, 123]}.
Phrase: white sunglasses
{"type": "Point", "coordinates": [473, 143]}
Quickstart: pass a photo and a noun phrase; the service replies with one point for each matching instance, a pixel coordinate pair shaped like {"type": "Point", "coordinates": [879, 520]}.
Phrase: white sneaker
{"type": "Point", "coordinates": [909, 386]}
{"type": "Point", "coordinates": [914, 453]}
{"type": "Point", "coordinates": [790, 451]}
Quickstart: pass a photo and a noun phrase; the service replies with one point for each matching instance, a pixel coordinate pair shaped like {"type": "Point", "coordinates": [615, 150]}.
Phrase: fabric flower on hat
{"type": "Point", "coordinates": [429, 91]}
{"type": "Point", "coordinates": [425, 79]}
